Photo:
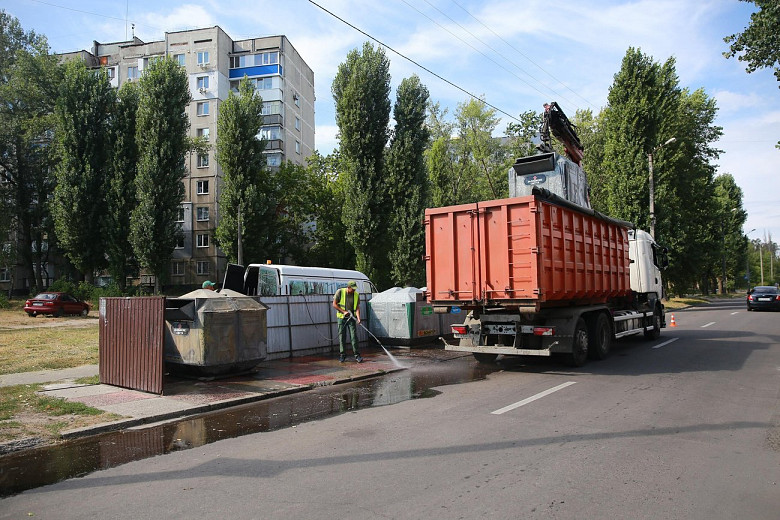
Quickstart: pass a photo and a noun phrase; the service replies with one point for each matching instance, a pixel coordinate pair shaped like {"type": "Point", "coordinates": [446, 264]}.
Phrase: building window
{"type": "Point", "coordinates": [296, 99]}
{"type": "Point", "coordinates": [177, 268]}
{"type": "Point", "coordinates": [204, 267]}
{"type": "Point", "coordinates": [203, 132]}
{"type": "Point", "coordinates": [202, 240]}
{"type": "Point", "coordinates": [297, 147]}
{"type": "Point", "coordinates": [180, 214]}
{"type": "Point", "coordinates": [249, 60]}
{"type": "Point", "coordinates": [203, 160]}
{"type": "Point", "coordinates": [203, 108]}
{"type": "Point", "coordinates": [270, 133]}
{"type": "Point", "coordinates": [203, 57]}
{"type": "Point", "coordinates": [179, 59]}
{"type": "Point", "coordinates": [132, 73]}
{"type": "Point", "coordinates": [274, 159]}
{"type": "Point", "coordinates": [203, 213]}
{"type": "Point", "coordinates": [298, 124]}
{"type": "Point", "coordinates": [203, 82]}
{"type": "Point", "coordinates": [5, 275]}
{"type": "Point", "coordinates": [179, 241]}
{"type": "Point", "coordinates": [272, 107]}
{"type": "Point", "coordinates": [111, 72]}
{"type": "Point", "coordinates": [203, 187]}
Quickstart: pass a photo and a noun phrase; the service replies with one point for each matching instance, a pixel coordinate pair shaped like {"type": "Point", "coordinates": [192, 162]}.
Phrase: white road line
{"type": "Point", "coordinates": [708, 324]}
{"type": "Point", "coordinates": [666, 342]}
{"type": "Point", "coordinates": [532, 398]}
{"type": "Point", "coordinates": [733, 313]}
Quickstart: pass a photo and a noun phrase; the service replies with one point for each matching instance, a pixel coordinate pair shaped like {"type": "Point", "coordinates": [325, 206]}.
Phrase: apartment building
{"type": "Point", "coordinates": [215, 63]}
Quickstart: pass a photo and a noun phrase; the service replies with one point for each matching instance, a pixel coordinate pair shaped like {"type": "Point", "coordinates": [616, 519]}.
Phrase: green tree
{"type": "Point", "coordinates": [318, 205]}
{"type": "Point", "coordinates": [162, 144]}
{"type": "Point", "coordinates": [646, 108]}
{"type": "Point", "coordinates": [29, 81]}
{"type": "Point", "coordinates": [407, 183]}
{"type": "Point", "coordinates": [520, 135]}
{"type": "Point", "coordinates": [121, 188]}
{"type": "Point", "coordinates": [84, 111]}
{"type": "Point", "coordinates": [361, 90]}
{"type": "Point", "coordinates": [245, 199]}
{"type": "Point", "coordinates": [758, 44]}
{"type": "Point", "coordinates": [478, 152]}
{"type": "Point", "coordinates": [729, 219]}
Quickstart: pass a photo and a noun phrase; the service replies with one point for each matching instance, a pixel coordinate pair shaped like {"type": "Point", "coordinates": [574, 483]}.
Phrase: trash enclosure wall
{"type": "Point", "coordinates": [305, 325]}
{"type": "Point", "coordinates": [131, 343]}
{"type": "Point", "coordinates": [524, 251]}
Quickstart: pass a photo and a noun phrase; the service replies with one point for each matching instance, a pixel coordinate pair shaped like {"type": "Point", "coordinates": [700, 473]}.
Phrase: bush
{"type": "Point", "coordinates": [4, 303]}
{"type": "Point", "coordinates": [86, 291]}
{"type": "Point", "coordinates": [63, 286]}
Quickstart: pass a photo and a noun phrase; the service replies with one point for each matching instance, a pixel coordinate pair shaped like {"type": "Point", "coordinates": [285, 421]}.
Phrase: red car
{"type": "Point", "coordinates": [56, 303]}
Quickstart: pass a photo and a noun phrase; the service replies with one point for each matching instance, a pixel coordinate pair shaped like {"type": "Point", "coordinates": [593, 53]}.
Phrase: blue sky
{"type": "Point", "coordinates": [517, 54]}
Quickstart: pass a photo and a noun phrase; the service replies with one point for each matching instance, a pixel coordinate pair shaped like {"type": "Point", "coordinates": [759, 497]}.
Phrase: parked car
{"type": "Point", "coordinates": [56, 303]}
{"type": "Point", "coordinates": [763, 297]}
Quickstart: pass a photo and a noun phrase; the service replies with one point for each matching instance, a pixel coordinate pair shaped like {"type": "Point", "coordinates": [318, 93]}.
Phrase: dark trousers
{"type": "Point", "coordinates": [345, 324]}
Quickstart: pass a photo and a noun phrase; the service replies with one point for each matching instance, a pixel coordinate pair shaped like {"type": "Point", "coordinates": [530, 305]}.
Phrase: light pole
{"type": "Point", "coordinates": [652, 194]}
{"type": "Point", "coordinates": [747, 260]}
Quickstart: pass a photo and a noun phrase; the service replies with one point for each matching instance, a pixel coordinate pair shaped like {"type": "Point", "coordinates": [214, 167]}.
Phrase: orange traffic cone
{"type": "Point", "coordinates": [673, 323]}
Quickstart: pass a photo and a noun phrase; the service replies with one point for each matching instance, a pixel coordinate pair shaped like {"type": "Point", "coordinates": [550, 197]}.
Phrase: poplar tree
{"type": "Point", "coordinates": [29, 81]}
{"type": "Point", "coordinates": [361, 90]}
{"type": "Point", "coordinates": [162, 144]}
{"type": "Point", "coordinates": [84, 117]}
{"type": "Point", "coordinates": [246, 192]}
{"type": "Point", "coordinates": [407, 186]}
{"type": "Point", "coordinates": [121, 187]}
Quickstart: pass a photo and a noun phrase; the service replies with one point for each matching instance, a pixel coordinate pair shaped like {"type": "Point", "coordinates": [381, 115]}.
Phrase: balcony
{"type": "Point", "coordinates": [272, 119]}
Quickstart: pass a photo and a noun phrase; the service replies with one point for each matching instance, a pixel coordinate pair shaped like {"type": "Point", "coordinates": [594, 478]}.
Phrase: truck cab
{"type": "Point", "coordinates": [647, 260]}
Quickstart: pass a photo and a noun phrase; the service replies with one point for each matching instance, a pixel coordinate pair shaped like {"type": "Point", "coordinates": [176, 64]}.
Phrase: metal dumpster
{"type": "Point", "coordinates": [208, 333]}
{"type": "Point", "coordinates": [401, 316]}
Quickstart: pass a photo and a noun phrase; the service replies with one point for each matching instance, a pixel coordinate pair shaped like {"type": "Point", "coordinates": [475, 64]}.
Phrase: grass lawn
{"type": "Point", "coordinates": [29, 344]}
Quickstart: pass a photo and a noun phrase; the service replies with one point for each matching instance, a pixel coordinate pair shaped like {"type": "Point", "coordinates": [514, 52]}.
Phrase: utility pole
{"type": "Point", "coordinates": [651, 185]}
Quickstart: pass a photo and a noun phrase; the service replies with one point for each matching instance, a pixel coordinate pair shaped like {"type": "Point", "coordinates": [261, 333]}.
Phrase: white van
{"type": "Point", "coordinates": [277, 279]}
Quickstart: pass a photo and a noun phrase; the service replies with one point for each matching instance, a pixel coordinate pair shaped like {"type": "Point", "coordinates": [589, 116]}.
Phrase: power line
{"type": "Point", "coordinates": [522, 54]}
{"type": "Point", "coordinates": [558, 95]}
{"type": "Point", "coordinates": [474, 48]}
{"type": "Point", "coordinates": [414, 62]}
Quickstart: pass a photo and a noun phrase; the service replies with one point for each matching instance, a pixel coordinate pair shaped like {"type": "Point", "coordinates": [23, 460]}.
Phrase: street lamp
{"type": "Point", "coordinates": [652, 197]}
{"type": "Point", "coordinates": [747, 260]}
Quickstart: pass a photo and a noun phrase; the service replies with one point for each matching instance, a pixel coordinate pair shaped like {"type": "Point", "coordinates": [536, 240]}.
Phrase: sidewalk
{"type": "Point", "coordinates": [182, 397]}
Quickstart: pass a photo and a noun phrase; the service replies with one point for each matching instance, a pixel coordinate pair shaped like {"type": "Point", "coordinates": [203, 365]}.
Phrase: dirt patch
{"type": "Point", "coordinates": [48, 322]}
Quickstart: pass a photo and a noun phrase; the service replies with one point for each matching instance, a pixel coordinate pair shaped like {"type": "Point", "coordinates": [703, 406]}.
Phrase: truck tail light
{"type": "Point", "coordinates": [544, 331]}
{"type": "Point", "coordinates": [460, 329]}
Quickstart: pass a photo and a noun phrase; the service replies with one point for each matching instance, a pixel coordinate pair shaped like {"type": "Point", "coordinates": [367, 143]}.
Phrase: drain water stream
{"type": "Point", "coordinates": [37, 467]}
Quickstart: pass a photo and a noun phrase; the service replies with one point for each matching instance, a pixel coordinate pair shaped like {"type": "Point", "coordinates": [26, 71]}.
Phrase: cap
{"type": "Point", "coordinates": [208, 284]}
{"type": "Point", "coordinates": [352, 283]}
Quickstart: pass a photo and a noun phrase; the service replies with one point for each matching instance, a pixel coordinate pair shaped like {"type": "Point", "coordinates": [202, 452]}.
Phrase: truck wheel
{"type": "Point", "coordinates": [579, 345]}
{"type": "Point", "coordinates": [656, 332]}
{"type": "Point", "coordinates": [485, 359]}
{"type": "Point", "coordinates": [599, 338]}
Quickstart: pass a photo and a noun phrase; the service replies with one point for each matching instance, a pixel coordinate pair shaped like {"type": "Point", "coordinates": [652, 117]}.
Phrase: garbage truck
{"type": "Point", "coordinates": [541, 273]}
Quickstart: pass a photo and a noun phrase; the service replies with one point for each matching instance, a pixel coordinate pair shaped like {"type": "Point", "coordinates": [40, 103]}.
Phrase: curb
{"type": "Point", "coordinates": [120, 424]}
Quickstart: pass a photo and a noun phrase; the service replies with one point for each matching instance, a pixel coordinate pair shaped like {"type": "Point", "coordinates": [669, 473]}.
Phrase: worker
{"type": "Point", "coordinates": [209, 286]}
{"type": "Point", "coordinates": [346, 301]}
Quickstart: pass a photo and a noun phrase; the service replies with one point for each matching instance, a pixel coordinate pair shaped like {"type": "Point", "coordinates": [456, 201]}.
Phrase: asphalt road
{"type": "Point", "coordinates": [687, 426]}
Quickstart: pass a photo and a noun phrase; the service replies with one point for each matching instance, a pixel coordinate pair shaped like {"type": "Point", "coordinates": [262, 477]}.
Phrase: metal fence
{"type": "Point", "coordinates": [131, 343]}
{"type": "Point", "coordinates": [306, 325]}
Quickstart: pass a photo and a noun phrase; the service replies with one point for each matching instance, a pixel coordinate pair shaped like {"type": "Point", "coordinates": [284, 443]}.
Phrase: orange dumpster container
{"type": "Point", "coordinates": [531, 251]}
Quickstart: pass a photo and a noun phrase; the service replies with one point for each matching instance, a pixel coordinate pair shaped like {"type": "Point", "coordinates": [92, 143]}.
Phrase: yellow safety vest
{"type": "Point", "coordinates": [343, 302]}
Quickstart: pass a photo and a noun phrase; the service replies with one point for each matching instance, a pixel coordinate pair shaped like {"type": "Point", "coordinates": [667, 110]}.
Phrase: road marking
{"type": "Point", "coordinates": [666, 342]}
{"type": "Point", "coordinates": [708, 324]}
{"type": "Point", "coordinates": [532, 398]}
{"type": "Point", "coordinates": [733, 313]}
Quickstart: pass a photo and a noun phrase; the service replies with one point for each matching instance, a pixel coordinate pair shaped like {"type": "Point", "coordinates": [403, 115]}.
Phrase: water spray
{"type": "Point", "coordinates": [392, 357]}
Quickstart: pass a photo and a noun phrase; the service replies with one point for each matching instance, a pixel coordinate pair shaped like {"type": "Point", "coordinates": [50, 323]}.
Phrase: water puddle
{"type": "Point", "coordinates": [37, 467]}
